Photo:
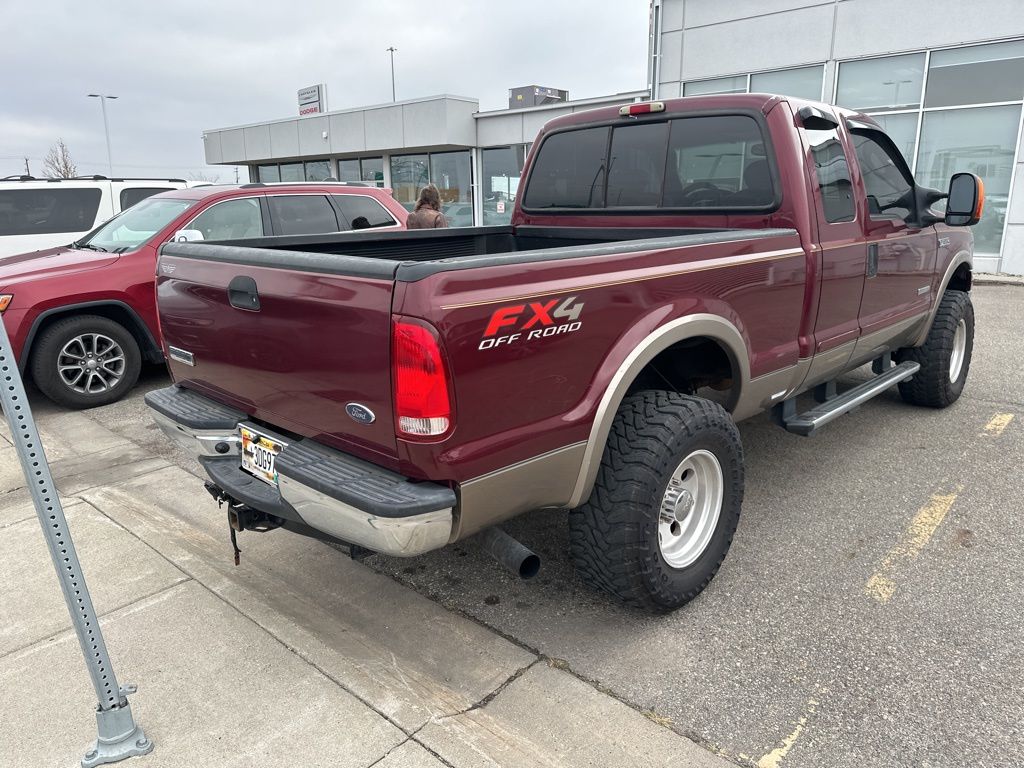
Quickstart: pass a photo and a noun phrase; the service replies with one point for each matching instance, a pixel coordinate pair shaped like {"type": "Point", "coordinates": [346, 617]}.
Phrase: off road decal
{"type": "Point", "coordinates": [532, 321]}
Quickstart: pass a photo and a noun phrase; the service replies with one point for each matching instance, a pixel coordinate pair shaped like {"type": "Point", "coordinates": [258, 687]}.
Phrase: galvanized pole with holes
{"type": "Point", "coordinates": [118, 735]}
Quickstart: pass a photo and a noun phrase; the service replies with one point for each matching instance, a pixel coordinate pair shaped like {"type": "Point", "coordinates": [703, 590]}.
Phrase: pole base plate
{"type": "Point", "coordinates": [119, 737]}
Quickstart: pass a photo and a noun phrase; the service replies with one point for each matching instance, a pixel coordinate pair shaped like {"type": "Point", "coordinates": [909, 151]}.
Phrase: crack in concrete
{"type": "Point", "coordinates": [294, 651]}
{"type": "Point", "coordinates": [100, 616]}
{"type": "Point", "coordinates": [493, 694]}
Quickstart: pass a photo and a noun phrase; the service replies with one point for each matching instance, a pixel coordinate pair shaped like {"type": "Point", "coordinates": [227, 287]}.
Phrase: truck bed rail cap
{"type": "Point", "coordinates": [329, 263]}
{"type": "Point", "coordinates": [410, 272]}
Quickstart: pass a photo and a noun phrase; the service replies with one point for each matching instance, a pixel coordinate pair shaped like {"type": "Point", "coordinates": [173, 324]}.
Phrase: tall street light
{"type": "Point", "coordinates": [392, 50]}
{"type": "Point", "coordinates": [106, 127]}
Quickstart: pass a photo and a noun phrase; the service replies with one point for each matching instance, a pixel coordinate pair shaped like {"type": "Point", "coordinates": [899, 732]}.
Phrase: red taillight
{"type": "Point", "coordinates": [644, 108]}
{"type": "Point", "coordinates": [422, 406]}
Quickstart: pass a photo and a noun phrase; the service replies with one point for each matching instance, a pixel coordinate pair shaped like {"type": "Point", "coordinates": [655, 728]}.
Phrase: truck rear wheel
{"type": "Point", "coordinates": [85, 361]}
{"type": "Point", "coordinates": [665, 503]}
{"type": "Point", "coordinates": [945, 356]}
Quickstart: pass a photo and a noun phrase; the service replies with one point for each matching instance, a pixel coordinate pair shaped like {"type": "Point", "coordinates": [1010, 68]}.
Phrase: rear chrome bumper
{"type": "Point", "coordinates": [337, 494]}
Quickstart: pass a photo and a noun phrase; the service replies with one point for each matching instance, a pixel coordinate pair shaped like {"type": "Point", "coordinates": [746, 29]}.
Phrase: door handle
{"type": "Point", "coordinates": [872, 259]}
{"type": "Point", "coordinates": [242, 293]}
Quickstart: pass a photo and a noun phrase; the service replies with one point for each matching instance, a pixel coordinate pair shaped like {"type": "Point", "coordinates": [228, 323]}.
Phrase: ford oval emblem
{"type": "Point", "coordinates": [360, 413]}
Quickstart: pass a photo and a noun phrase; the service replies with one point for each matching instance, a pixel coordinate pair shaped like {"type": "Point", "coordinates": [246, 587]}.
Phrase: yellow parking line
{"type": "Point", "coordinates": [881, 585]}
{"type": "Point", "coordinates": [774, 758]}
{"type": "Point", "coordinates": [997, 424]}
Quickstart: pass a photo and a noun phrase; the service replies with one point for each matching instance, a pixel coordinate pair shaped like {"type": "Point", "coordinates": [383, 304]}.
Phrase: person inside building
{"type": "Point", "coordinates": [428, 210]}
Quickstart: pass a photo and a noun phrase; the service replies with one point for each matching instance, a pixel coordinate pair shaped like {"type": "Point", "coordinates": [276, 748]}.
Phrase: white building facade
{"type": "Point", "coordinates": [475, 158]}
{"type": "Point", "coordinates": [945, 79]}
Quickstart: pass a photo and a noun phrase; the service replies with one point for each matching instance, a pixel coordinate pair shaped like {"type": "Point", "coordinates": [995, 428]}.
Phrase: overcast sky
{"type": "Point", "coordinates": [186, 66]}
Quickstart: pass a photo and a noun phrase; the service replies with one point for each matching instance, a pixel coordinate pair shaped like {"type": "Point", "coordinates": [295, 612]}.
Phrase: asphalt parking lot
{"type": "Point", "coordinates": [870, 610]}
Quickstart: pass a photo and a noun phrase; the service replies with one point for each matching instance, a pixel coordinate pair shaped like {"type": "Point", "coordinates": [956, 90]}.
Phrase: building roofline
{"type": "Point", "coordinates": [612, 98]}
{"type": "Point", "coordinates": [367, 108]}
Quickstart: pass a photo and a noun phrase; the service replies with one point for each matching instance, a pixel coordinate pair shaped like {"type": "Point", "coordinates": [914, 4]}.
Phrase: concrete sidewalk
{"type": "Point", "coordinates": [297, 657]}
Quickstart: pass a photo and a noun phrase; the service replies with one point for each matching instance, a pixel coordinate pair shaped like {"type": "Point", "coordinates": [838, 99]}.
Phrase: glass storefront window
{"type": "Point", "coordinates": [980, 140]}
{"type": "Point", "coordinates": [409, 174]}
{"type": "Point", "coordinates": [977, 75]}
{"type": "Point", "coordinates": [372, 170]}
{"type": "Point", "coordinates": [737, 84]}
{"type": "Point", "coordinates": [450, 172]}
{"type": "Point", "coordinates": [267, 173]}
{"type": "Point", "coordinates": [893, 82]}
{"type": "Point", "coordinates": [500, 171]}
{"type": "Point", "coordinates": [348, 170]}
{"type": "Point", "coordinates": [292, 172]}
{"type": "Point", "coordinates": [902, 129]}
{"type": "Point", "coordinates": [804, 82]}
{"type": "Point", "coordinates": [318, 170]}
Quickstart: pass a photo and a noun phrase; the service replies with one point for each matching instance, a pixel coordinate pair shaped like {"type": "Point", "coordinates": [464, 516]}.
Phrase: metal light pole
{"type": "Point", "coordinates": [106, 127]}
{"type": "Point", "coordinates": [392, 50]}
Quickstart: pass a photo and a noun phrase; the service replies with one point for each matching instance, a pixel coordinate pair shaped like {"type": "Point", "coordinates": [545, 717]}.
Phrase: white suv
{"type": "Point", "coordinates": [43, 213]}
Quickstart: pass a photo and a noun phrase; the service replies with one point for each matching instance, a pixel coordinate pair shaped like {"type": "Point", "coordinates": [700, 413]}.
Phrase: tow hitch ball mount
{"type": "Point", "coordinates": [242, 518]}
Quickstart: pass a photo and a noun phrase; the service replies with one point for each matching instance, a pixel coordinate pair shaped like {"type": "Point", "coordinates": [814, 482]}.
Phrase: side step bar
{"type": "Point", "coordinates": [806, 423]}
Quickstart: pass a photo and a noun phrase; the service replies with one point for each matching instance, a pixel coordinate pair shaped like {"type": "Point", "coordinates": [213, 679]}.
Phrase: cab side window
{"type": "Point", "coordinates": [302, 214]}
{"type": "Point", "coordinates": [889, 189]}
{"type": "Point", "coordinates": [833, 173]}
{"type": "Point", "coordinates": [363, 212]}
{"type": "Point", "coordinates": [230, 220]}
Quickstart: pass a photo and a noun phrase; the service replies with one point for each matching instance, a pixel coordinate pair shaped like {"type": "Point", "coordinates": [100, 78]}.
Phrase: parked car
{"type": "Point", "coordinates": [42, 213]}
{"type": "Point", "coordinates": [82, 317]}
{"type": "Point", "coordinates": [459, 214]}
{"type": "Point", "coordinates": [595, 355]}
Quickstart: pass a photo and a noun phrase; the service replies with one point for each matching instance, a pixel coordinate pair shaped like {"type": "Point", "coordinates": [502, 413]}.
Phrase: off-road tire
{"type": "Point", "coordinates": [931, 386]}
{"type": "Point", "coordinates": [47, 349]}
{"type": "Point", "coordinates": [613, 536]}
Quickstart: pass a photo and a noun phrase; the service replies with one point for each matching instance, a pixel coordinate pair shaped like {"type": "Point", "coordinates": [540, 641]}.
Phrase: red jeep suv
{"type": "Point", "coordinates": [82, 317]}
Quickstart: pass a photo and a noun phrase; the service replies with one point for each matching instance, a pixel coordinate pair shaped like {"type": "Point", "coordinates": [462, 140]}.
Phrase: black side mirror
{"type": "Point", "coordinates": [965, 201]}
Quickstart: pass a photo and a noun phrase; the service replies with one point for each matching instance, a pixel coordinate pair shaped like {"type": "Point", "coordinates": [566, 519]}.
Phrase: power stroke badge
{"type": "Point", "coordinates": [532, 321]}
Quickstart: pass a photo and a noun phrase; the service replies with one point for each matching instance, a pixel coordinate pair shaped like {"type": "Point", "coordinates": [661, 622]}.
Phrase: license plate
{"type": "Point", "coordinates": [259, 455]}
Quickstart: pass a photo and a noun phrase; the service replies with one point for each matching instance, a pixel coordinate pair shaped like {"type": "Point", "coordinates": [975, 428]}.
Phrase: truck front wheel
{"type": "Point", "coordinates": [945, 356]}
{"type": "Point", "coordinates": [665, 503]}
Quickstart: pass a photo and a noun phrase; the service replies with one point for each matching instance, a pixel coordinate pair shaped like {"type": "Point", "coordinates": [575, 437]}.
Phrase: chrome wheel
{"type": "Point", "coordinates": [956, 357]}
{"type": "Point", "coordinates": [690, 509]}
{"type": "Point", "coordinates": [91, 363]}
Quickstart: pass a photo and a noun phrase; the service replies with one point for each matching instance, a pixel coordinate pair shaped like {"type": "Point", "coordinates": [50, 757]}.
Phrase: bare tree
{"type": "Point", "coordinates": [211, 178]}
{"type": "Point", "coordinates": [58, 163]}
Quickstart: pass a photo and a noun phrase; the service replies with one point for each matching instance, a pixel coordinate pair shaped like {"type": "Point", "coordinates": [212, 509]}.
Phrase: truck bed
{"type": "Point", "coordinates": [381, 254]}
{"type": "Point", "coordinates": [293, 330]}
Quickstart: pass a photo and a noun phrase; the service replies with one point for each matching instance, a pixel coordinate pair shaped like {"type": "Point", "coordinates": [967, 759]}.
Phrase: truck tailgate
{"type": "Point", "coordinates": [290, 344]}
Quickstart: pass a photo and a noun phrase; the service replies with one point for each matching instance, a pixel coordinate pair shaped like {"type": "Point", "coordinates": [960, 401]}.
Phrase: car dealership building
{"type": "Point", "coordinates": [944, 79]}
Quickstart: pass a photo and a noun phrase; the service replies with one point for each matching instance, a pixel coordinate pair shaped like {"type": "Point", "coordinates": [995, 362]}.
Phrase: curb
{"type": "Point", "coordinates": [994, 279]}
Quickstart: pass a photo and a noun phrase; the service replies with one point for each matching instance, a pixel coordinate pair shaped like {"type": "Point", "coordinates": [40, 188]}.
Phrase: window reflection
{"type": "Point", "coordinates": [737, 84]}
{"type": "Point", "coordinates": [803, 82]}
{"type": "Point", "coordinates": [892, 82]}
{"type": "Point", "coordinates": [409, 174]}
{"type": "Point", "coordinates": [902, 129]}
{"type": "Point", "coordinates": [348, 170]}
{"type": "Point", "coordinates": [980, 140]}
{"type": "Point", "coordinates": [977, 75]}
{"type": "Point", "coordinates": [450, 173]}
{"type": "Point", "coordinates": [501, 171]}
{"type": "Point", "coordinates": [372, 170]}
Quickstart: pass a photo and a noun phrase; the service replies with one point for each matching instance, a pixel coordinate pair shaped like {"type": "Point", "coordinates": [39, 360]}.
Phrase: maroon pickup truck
{"type": "Point", "coordinates": [671, 268]}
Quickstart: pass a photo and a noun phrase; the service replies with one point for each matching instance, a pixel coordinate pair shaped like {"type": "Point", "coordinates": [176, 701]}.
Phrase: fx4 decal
{"type": "Point", "coordinates": [531, 321]}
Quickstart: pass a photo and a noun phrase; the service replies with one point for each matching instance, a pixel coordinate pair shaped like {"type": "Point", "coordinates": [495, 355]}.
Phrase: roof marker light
{"type": "Point", "coordinates": [643, 108]}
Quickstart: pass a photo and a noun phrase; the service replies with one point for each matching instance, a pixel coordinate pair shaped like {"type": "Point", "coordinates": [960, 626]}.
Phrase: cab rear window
{"type": "Point", "coordinates": [47, 211]}
{"type": "Point", "coordinates": [713, 163]}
